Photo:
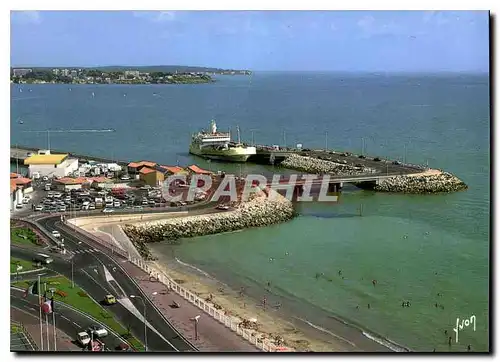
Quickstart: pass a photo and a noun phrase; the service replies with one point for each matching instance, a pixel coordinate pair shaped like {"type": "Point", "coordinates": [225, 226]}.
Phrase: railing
{"type": "Point", "coordinates": [209, 308]}
{"type": "Point", "coordinates": [25, 332]}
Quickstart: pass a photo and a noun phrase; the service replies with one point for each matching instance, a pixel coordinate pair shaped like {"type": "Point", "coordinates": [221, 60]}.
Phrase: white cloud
{"type": "Point", "coordinates": [26, 17]}
{"type": "Point", "coordinates": [156, 16]}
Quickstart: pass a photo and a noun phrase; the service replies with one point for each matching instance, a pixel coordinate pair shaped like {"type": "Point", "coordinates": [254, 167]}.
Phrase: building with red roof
{"type": "Point", "coordinates": [135, 167]}
{"type": "Point", "coordinates": [151, 176]}
{"type": "Point", "coordinates": [199, 171]}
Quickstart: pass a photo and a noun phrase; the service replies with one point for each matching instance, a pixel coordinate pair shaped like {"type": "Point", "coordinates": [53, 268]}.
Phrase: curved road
{"type": "Point", "coordinates": [68, 319]}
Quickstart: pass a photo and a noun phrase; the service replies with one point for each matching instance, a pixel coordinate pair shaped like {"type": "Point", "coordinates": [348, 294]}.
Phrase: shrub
{"type": "Point", "coordinates": [61, 293]}
{"type": "Point", "coordinates": [81, 293]}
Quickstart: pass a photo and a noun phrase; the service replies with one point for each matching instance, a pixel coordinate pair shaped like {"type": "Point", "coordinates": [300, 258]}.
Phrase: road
{"type": "Point", "coordinates": [93, 270]}
{"type": "Point", "coordinates": [68, 320]}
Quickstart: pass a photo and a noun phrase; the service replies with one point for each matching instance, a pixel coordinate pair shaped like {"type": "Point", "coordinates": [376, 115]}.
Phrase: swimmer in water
{"type": "Point", "coordinates": [286, 252]}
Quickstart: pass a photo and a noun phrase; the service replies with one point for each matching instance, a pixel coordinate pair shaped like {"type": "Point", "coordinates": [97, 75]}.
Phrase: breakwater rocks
{"type": "Point", "coordinates": [422, 184]}
{"type": "Point", "coordinates": [259, 210]}
{"type": "Point", "coordinates": [317, 166]}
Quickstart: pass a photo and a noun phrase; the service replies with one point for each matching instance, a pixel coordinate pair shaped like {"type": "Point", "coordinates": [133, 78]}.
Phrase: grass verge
{"type": "Point", "coordinates": [27, 265]}
{"type": "Point", "coordinates": [78, 298]}
{"type": "Point", "coordinates": [24, 236]}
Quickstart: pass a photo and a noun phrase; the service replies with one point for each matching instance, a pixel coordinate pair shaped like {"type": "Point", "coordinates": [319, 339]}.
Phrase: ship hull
{"type": "Point", "coordinates": [230, 155]}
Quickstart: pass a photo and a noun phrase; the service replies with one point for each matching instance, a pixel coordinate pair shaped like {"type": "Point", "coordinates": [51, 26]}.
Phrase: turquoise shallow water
{"type": "Point", "coordinates": [442, 120]}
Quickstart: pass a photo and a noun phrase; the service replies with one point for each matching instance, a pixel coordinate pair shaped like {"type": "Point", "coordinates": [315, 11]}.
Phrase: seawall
{"type": "Point", "coordinates": [314, 165]}
{"type": "Point", "coordinates": [432, 181]}
{"type": "Point", "coordinates": [260, 210]}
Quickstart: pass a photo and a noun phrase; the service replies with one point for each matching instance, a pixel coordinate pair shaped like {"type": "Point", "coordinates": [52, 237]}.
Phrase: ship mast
{"type": "Point", "coordinates": [238, 131]}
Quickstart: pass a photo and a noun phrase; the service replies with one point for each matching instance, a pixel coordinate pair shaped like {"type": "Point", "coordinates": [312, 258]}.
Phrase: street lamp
{"type": "Point", "coordinates": [195, 320]}
{"type": "Point", "coordinates": [144, 316]}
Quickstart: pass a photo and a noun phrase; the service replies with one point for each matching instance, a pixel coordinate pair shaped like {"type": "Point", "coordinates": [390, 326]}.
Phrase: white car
{"type": "Point", "coordinates": [108, 210]}
{"type": "Point", "coordinates": [56, 234]}
{"type": "Point", "coordinates": [98, 331]}
{"type": "Point", "coordinates": [39, 208]}
{"type": "Point", "coordinates": [83, 338]}
{"type": "Point", "coordinates": [19, 206]}
{"type": "Point", "coordinates": [125, 177]}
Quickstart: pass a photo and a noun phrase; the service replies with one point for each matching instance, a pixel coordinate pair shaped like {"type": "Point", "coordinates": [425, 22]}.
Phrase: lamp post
{"type": "Point", "coordinates": [195, 320]}
{"type": "Point", "coordinates": [145, 320]}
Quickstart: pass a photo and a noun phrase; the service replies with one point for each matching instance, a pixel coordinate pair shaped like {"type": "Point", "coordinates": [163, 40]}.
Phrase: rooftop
{"type": "Point", "coordinates": [146, 170]}
{"type": "Point", "coordinates": [72, 181]}
{"type": "Point", "coordinates": [173, 169]}
{"type": "Point", "coordinates": [45, 159]}
{"type": "Point", "coordinates": [198, 170]}
{"type": "Point", "coordinates": [142, 163]}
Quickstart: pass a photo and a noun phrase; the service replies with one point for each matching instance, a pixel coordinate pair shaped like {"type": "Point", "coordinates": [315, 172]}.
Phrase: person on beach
{"type": "Point", "coordinates": [340, 272]}
{"type": "Point", "coordinates": [368, 305]}
{"type": "Point", "coordinates": [468, 348]}
{"type": "Point", "coordinates": [264, 301]}
{"type": "Point", "coordinates": [449, 341]}
{"type": "Point", "coordinates": [374, 282]}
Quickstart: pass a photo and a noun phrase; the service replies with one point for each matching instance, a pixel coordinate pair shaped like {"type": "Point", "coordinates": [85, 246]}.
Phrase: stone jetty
{"type": "Point", "coordinates": [432, 182]}
{"type": "Point", "coordinates": [317, 166]}
{"type": "Point", "coordinates": [259, 210]}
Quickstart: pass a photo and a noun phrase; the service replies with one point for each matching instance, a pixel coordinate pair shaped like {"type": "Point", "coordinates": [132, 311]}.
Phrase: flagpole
{"type": "Point", "coordinates": [46, 317]}
{"type": "Point", "coordinates": [40, 308]}
{"type": "Point", "coordinates": [54, 321]}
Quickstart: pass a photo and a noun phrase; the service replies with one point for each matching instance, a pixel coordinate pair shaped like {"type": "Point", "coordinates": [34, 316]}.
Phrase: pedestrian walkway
{"type": "Point", "coordinates": [212, 335]}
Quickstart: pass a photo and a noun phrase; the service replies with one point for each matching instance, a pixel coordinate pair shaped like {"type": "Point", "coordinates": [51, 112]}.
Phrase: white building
{"type": "Point", "coordinates": [51, 165]}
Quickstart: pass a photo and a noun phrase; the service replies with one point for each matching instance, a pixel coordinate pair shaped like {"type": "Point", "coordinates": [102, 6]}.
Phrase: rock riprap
{"type": "Point", "coordinates": [259, 210]}
{"type": "Point", "coordinates": [317, 166]}
{"type": "Point", "coordinates": [422, 184]}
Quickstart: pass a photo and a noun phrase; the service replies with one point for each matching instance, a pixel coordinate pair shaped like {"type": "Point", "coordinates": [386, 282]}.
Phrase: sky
{"type": "Point", "coordinates": [354, 41]}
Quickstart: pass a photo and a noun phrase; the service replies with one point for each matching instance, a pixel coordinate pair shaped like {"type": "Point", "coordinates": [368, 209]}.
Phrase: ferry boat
{"type": "Point", "coordinates": [218, 146]}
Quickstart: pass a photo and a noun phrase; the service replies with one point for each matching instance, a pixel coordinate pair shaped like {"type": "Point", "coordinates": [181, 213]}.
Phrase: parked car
{"type": "Point", "coordinates": [39, 208]}
{"type": "Point", "coordinates": [56, 234]}
{"type": "Point", "coordinates": [108, 210]}
{"type": "Point", "coordinates": [362, 156]}
{"type": "Point", "coordinates": [376, 159]}
{"type": "Point", "coordinates": [83, 338]}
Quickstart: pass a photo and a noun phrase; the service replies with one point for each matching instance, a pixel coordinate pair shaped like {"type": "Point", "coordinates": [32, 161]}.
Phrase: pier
{"type": "Point", "coordinates": [385, 168]}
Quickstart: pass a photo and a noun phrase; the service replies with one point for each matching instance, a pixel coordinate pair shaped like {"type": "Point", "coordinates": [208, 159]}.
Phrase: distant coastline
{"type": "Point", "coordinates": [120, 75]}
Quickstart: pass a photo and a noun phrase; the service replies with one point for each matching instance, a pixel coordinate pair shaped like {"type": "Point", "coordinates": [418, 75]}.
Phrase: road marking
{"type": "Point", "coordinates": [76, 324]}
{"type": "Point", "coordinates": [63, 317]}
{"type": "Point", "coordinates": [96, 271]}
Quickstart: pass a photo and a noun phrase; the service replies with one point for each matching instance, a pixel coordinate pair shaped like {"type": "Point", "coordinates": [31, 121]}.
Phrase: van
{"type": "Point", "coordinates": [47, 187]}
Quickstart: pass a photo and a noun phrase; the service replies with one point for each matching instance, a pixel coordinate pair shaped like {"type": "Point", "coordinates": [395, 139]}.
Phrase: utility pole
{"type": "Point", "coordinates": [284, 138]}
{"type": "Point", "coordinates": [72, 279]}
{"type": "Point", "coordinates": [253, 139]}
{"type": "Point", "coordinates": [405, 154]}
{"type": "Point", "coordinates": [363, 145]}
{"type": "Point", "coordinates": [326, 141]}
